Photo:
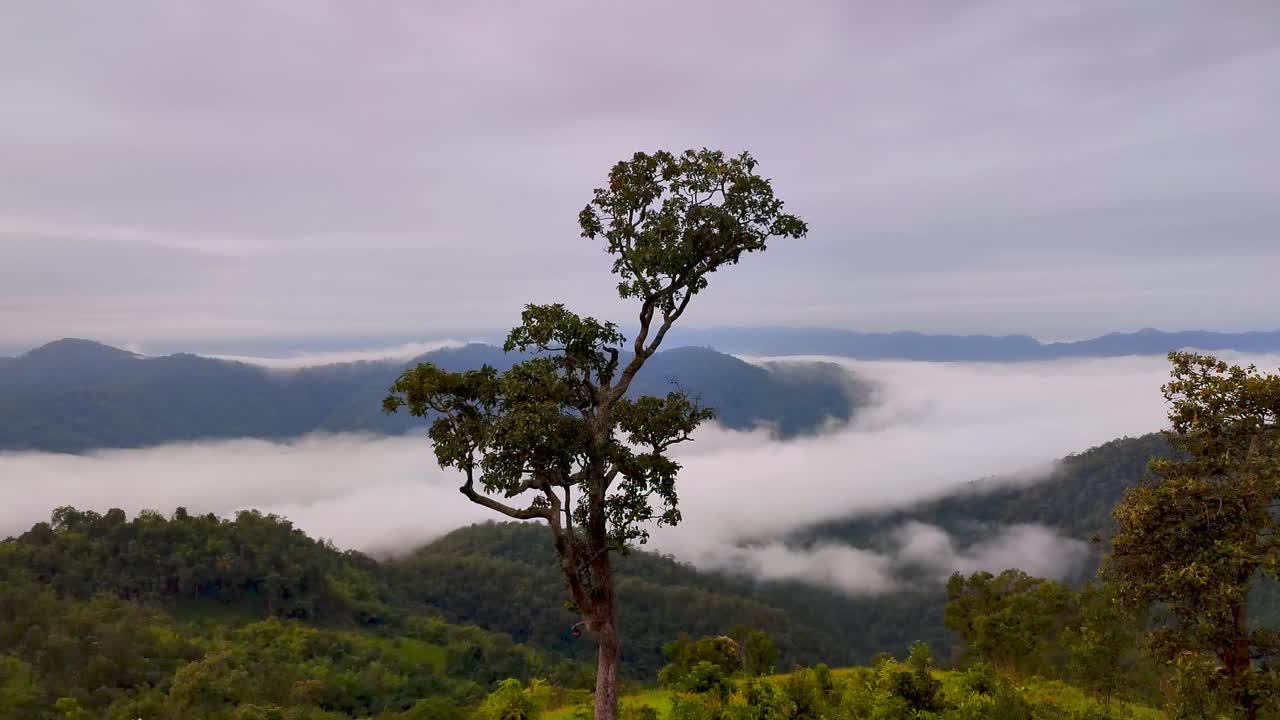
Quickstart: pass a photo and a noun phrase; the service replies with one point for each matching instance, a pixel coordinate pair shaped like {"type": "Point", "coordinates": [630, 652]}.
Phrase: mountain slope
{"type": "Point", "coordinates": [75, 395]}
{"type": "Point", "coordinates": [1076, 499]}
{"type": "Point", "coordinates": [504, 577]}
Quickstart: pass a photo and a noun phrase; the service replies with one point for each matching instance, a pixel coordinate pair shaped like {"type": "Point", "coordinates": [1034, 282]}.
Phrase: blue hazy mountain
{"type": "Point", "coordinates": [73, 395]}
{"type": "Point", "coordinates": [999, 348]}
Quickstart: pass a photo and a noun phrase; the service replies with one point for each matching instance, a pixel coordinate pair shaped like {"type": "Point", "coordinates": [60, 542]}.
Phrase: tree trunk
{"type": "Point", "coordinates": [1240, 665]}
{"type": "Point", "coordinates": [604, 621]}
{"type": "Point", "coordinates": [606, 700]}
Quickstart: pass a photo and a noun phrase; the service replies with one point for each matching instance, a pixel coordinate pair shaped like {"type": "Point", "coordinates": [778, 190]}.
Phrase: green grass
{"type": "Point", "coordinates": [658, 699]}
{"type": "Point", "coordinates": [415, 652]}
{"type": "Point", "coordinates": [1063, 695]}
{"type": "Point", "coordinates": [1036, 690]}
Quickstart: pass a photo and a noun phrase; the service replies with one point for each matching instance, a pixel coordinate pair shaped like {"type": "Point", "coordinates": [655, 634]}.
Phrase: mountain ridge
{"type": "Point", "coordinates": [878, 345]}
{"type": "Point", "coordinates": [912, 345]}
{"type": "Point", "coordinates": [75, 395]}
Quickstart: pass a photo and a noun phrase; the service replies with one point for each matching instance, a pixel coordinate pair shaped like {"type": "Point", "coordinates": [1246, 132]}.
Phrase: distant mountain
{"type": "Point", "coordinates": [74, 395]}
{"type": "Point", "coordinates": [921, 346]}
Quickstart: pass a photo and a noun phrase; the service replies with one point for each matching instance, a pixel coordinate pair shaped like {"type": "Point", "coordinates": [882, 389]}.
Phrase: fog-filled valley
{"type": "Point", "coordinates": [754, 500]}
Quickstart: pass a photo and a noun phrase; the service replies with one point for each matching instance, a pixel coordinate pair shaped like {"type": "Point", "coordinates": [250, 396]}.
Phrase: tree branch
{"type": "Point", "coordinates": [530, 513]}
{"type": "Point", "coordinates": [668, 320]}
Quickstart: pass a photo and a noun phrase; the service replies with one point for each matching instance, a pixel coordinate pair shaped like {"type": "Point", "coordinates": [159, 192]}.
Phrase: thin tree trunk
{"type": "Point", "coordinates": [610, 654]}
{"type": "Point", "coordinates": [1241, 664]}
{"type": "Point", "coordinates": [604, 622]}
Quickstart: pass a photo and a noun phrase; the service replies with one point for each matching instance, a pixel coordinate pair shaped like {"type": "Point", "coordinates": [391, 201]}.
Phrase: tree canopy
{"type": "Point", "coordinates": [1200, 532]}
{"type": "Point", "coordinates": [557, 431]}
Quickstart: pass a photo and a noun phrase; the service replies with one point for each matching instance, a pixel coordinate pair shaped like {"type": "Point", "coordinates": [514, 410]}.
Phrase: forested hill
{"type": "Point", "coordinates": [187, 616]}
{"type": "Point", "coordinates": [1076, 499]}
{"type": "Point", "coordinates": [503, 576]}
{"type": "Point", "coordinates": [75, 395]}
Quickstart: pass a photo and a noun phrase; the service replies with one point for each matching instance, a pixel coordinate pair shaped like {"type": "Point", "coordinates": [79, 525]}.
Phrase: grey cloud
{"type": "Point", "coordinates": [1058, 169]}
{"type": "Point", "coordinates": [1035, 549]}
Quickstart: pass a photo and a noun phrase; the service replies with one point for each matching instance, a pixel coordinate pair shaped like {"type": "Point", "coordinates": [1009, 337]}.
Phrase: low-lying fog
{"type": "Point", "coordinates": [935, 426]}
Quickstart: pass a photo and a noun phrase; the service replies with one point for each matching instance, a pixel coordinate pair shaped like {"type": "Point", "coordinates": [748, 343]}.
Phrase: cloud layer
{"type": "Point", "coordinates": [407, 351]}
{"type": "Point", "coordinates": [935, 427]}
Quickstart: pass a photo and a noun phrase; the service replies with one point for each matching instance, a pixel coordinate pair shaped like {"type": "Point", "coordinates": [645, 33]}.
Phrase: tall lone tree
{"type": "Point", "coordinates": [1201, 530]}
{"type": "Point", "coordinates": [556, 437]}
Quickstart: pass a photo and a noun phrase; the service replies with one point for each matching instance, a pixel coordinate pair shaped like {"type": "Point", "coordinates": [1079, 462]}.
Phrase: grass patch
{"type": "Point", "coordinates": [411, 651]}
{"type": "Point", "coordinates": [1039, 692]}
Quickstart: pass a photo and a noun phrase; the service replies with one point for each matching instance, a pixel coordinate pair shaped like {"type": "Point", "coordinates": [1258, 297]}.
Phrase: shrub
{"type": "Point", "coordinates": [511, 701]}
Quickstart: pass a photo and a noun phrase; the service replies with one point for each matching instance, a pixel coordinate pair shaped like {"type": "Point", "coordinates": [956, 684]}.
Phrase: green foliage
{"type": "Point", "coordinates": [512, 701]}
{"type": "Point", "coordinates": [665, 216]}
{"type": "Point", "coordinates": [1200, 533]}
{"type": "Point", "coordinates": [917, 686]}
{"type": "Point", "coordinates": [1011, 620]}
{"type": "Point", "coordinates": [756, 649]}
{"type": "Point", "coordinates": [20, 691]}
{"type": "Point", "coordinates": [85, 631]}
{"type": "Point", "coordinates": [688, 657]}
{"type": "Point", "coordinates": [1102, 644]}
{"type": "Point", "coordinates": [257, 561]}
{"type": "Point", "coordinates": [892, 690]}
{"type": "Point", "coordinates": [1023, 626]}
{"type": "Point", "coordinates": [638, 712]}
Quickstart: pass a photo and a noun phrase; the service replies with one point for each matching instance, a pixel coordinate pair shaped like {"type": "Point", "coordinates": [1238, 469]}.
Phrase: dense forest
{"type": "Point", "coordinates": [77, 395]}
{"type": "Point", "coordinates": [191, 616]}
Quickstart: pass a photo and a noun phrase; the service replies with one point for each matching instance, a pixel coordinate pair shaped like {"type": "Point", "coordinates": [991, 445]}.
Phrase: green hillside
{"type": "Point", "coordinates": [1076, 498]}
{"type": "Point", "coordinates": [503, 576]}
{"type": "Point", "coordinates": [190, 616]}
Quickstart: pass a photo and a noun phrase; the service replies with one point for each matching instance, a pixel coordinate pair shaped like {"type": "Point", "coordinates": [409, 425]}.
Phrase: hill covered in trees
{"type": "Point", "coordinates": [1076, 499]}
{"type": "Point", "coordinates": [196, 616]}
{"type": "Point", "coordinates": [76, 395]}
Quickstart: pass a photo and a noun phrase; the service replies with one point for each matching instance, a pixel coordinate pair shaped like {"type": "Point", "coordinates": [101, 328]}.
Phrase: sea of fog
{"type": "Point", "coordinates": [932, 428]}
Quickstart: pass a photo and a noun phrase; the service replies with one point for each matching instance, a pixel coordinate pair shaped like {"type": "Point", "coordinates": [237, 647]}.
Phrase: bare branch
{"type": "Point", "coordinates": [530, 513]}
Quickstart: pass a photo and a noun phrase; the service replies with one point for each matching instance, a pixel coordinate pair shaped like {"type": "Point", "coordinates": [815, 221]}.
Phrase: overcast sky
{"type": "Point", "coordinates": [187, 170]}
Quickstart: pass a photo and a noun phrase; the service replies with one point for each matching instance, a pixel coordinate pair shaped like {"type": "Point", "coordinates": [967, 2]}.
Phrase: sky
{"type": "Point", "coordinates": [174, 172]}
